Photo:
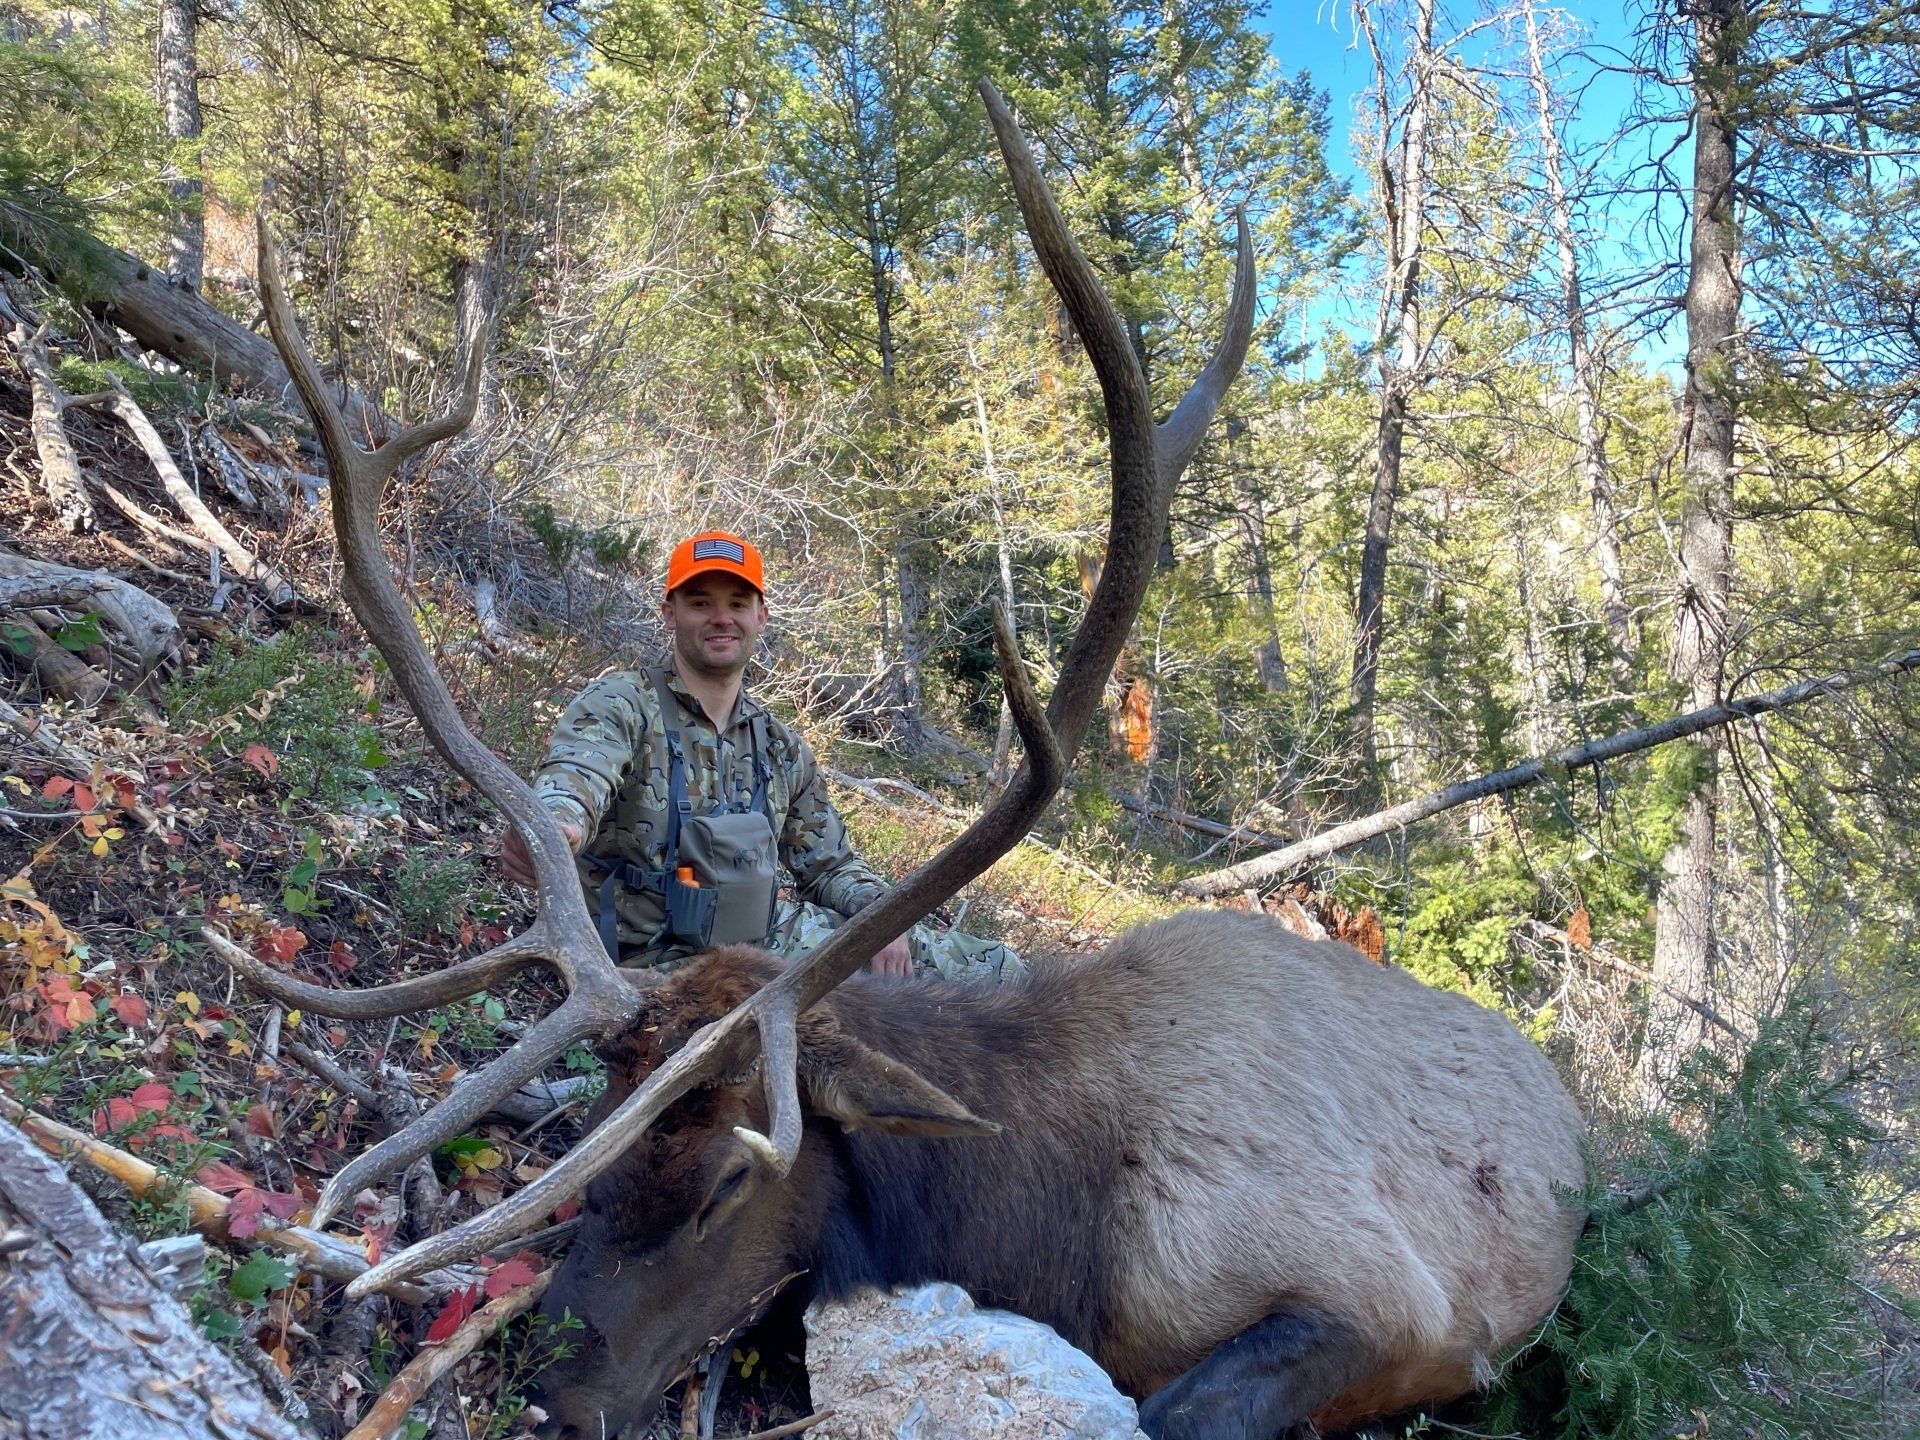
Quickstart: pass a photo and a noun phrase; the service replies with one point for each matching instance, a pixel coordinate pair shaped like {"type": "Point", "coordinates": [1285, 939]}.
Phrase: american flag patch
{"type": "Point", "coordinates": [719, 550]}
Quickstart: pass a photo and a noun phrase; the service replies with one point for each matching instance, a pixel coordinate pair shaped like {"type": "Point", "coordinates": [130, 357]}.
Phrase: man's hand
{"type": "Point", "coordinates": [896, 960]}
{"type": "Point", "coordinates": [519, 864]}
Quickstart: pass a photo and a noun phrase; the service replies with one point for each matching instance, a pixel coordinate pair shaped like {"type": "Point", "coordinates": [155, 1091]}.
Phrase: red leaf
{"type": "Point", "coordinates": [263, 1120]}
{"type": "Point", "coordinates": [340, 957]}
{"type": "Point", "coordinates": [510, 1275]}
{"type": "Point", "coordinates": [83, 797]}
{"type": "Point", "coordinates": [123, 792]}
{"type": "Point", "coordinates": [226, 847]}
{"type": "Point", "coordinates": [453, 1317]}
{"type": "Point", "coordinates": [131, 1009]}
{"type": "Point", "coordinates": [279, 945]}
{"type": "Point", "coordinates": [262, 759]}
{"type": "Point", "coordinates": [567, 1209]}
{"type": "Point", "coordinates": [222, 1177]}
{"type": "Point", "coordinates": [154, 1095]}
{"type": "Point", "coordinates": [253, 1205]}
{"type": "Point", "coordinates": [56, 787]}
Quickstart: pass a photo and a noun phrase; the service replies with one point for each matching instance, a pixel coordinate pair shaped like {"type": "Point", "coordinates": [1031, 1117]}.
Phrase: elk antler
{"type": "Point", "coordinates": [602, 1000]}
{"type": "Point", "coordinates": [1146, 460]}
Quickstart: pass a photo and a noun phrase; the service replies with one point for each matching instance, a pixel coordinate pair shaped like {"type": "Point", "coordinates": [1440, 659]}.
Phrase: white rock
{"type": "Point", "coordinates": [927, 1364]}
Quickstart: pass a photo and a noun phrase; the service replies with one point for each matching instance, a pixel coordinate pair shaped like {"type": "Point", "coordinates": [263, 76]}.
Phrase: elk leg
{"type": "Point", "coordinates": [1262, 1383]}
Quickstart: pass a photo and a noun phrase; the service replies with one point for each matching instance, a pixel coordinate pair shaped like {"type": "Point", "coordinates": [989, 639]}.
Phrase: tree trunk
{"type": "Point", "coordinates": [1400, 317]}
{"type": "Point", "coordinates": [95, 1346]}
{"type": "Point", "coordinates": [178, 82]}
{"type": "Point", "coordinates": [1591, 442]}
{"type": "Point", "coordinates": [1685, 923]}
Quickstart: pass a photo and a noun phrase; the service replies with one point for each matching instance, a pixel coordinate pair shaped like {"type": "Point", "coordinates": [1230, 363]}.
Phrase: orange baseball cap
{"type": "Point", "coordinates": [714, 550]}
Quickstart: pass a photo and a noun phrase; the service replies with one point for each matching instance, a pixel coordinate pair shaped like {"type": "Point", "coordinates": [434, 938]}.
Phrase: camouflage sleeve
{"type": "Point", "coordinates": [592, 748]}
{"type": "Point", "coordinates": [814, 846]}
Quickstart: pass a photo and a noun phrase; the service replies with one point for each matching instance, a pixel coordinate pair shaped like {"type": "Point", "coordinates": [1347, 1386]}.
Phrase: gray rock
{"type": "Point", "coordinates": [927, 1364]}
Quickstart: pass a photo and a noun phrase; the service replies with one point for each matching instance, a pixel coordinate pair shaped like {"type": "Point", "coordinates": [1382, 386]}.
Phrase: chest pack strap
{"type": "Point", "coordinates": [615, 872]}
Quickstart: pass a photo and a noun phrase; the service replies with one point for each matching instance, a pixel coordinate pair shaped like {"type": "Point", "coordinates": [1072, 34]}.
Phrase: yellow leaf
{"type": "Point", "coordinates": [100, 846]}
{"type": "Point", "coordinates": [236, 1047]}
{"type": "Point", "coordinates": [114, 832]}
{"type": "Point", "coordinates": [18, 784]}
{"type": "Point", "coordinates": [188, 1001]}
{"type": "Point", "coordinates": [293, 1019]}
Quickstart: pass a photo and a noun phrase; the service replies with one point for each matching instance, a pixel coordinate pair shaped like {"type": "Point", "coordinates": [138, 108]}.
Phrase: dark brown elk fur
{"type": "Point", "coordinates": [1310, 1185]}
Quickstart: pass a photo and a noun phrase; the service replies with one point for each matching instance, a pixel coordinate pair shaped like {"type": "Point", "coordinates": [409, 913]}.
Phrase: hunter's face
{"type": "Point", "coordinates": [715, 620]}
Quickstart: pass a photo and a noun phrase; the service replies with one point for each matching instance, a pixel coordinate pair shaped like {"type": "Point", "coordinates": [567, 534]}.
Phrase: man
{"type": "Point", "coordinates": [660, 779]}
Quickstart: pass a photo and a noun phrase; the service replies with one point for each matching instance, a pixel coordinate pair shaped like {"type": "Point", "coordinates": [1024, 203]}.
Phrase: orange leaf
{"type": "Point", "coordinates": [131, 1009]}
{"type": "Point", "coordinates": [510, 1274]}
{"type": "Point", "coordinates": [56, 787]}
{"type": "Point", "coordinates": [1580, 929]}
{"type": "Point", "coordinates": [262, 759]}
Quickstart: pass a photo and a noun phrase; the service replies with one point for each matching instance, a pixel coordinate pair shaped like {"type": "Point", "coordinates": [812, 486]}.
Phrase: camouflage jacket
{"type": "Point", "coordinates": [606, 771]}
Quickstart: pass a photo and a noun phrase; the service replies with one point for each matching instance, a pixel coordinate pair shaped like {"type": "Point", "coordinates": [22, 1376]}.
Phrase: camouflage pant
{"type": "Point", "coordinates": [799, 927]}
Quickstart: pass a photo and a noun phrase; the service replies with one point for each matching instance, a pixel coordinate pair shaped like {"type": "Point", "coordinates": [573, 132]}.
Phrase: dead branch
{"type": "Point", "coordinates": [1199, 824]}
{"type": "Point", "coordinates": [1284, 863]}
{"type": "Point", "coordinates": [227, 467]}
{"type": "Point", "coordinates": [277, 588]}
{"type": "Point", "coordinates": [59, 467]}
{"type": "Point", "coordinates": [389, 1412]}
{"type": "Point", "coordinates": [335, 1257]}
{"type": "Point", "coordinates": [59, 671]}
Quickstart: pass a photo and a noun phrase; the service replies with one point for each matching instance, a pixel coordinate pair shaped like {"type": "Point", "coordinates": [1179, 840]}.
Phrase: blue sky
{"type": "Point", "coordinates": [1318, 36]}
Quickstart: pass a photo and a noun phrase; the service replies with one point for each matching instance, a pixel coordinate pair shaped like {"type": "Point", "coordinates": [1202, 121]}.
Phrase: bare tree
{"type": "Point", "coordinates": [1590, 441]}
{"type": "Point", "coordinates": [1403, 200]}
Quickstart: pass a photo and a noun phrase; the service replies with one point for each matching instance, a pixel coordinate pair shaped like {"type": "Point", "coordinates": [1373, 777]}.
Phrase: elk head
{"type": "Point", "coordinates": [747, 1137]}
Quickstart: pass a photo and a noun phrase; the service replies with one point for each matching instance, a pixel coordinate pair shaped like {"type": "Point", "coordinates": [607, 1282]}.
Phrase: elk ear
{"type": "Point", "coordinates": [731, 1189]}
{"type": "Point", "coordinates": [851, 1082]}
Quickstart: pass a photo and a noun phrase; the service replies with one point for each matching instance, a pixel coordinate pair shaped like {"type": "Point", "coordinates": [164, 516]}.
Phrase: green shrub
{"type": "Point", "coordinates": [432, 889]}
{"type": "Point", "coordinates": [1714, 1293]}
{"type": "Point", "coordinates": [302, 703]}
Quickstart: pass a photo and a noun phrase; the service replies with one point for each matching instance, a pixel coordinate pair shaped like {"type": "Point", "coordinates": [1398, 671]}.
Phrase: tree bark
{"type": "Point", "coordinates": [1283, 864]}
{"type": "Point", "coordinates": [1400, 319]}
{"type": "Point", "coordinates": [178, 81]}
{"type": "Point", "coordinates": [1685, 925]}
{"type": "Point", "coordinates": [95, 1346]}
{"type": "Point", "coordinates": [1591, 443]}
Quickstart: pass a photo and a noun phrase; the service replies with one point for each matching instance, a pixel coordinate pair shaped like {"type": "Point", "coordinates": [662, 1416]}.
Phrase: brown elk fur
{"type": "Point", "coordinates": [1210, 1121]}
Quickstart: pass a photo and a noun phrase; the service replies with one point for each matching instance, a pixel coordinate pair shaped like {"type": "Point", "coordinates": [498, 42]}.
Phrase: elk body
{"type": "Point", "coordinates": [1259, 1178]}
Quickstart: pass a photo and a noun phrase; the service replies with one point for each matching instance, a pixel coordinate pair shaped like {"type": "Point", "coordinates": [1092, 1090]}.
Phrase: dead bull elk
{"type": "Point", "coordinates": [1261, 1180]}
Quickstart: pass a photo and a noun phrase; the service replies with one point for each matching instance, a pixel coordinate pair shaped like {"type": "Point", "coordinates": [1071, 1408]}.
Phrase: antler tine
{"type": "Point", "coordinates": [402, 997]}
{"type": "Point", "coordinates": [778, 1024]}
{"type": "Point", "coordinates": [1181, 432]}
{"type": "Point", "coordinates": [469, 1099]}
{"type": "Point", "coordinates": [358, 480]}
{"type": "Point", "coordinates": [602, 1000]}
{"type": "Point", "coordinates": [714, 1050]}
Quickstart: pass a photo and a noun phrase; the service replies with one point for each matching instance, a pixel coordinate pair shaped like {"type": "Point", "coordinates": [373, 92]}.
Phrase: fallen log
{"type": "Point", "coordinates": [1287, 861]}
{"type": "Point", "coordinates": [59, 467]}
{"type": "Point", "coordinates": [150, 627]}
{"type": "Point", "coordinates": [95, 1346]}
{"type": "Point", "coordinates": [168, 318]}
